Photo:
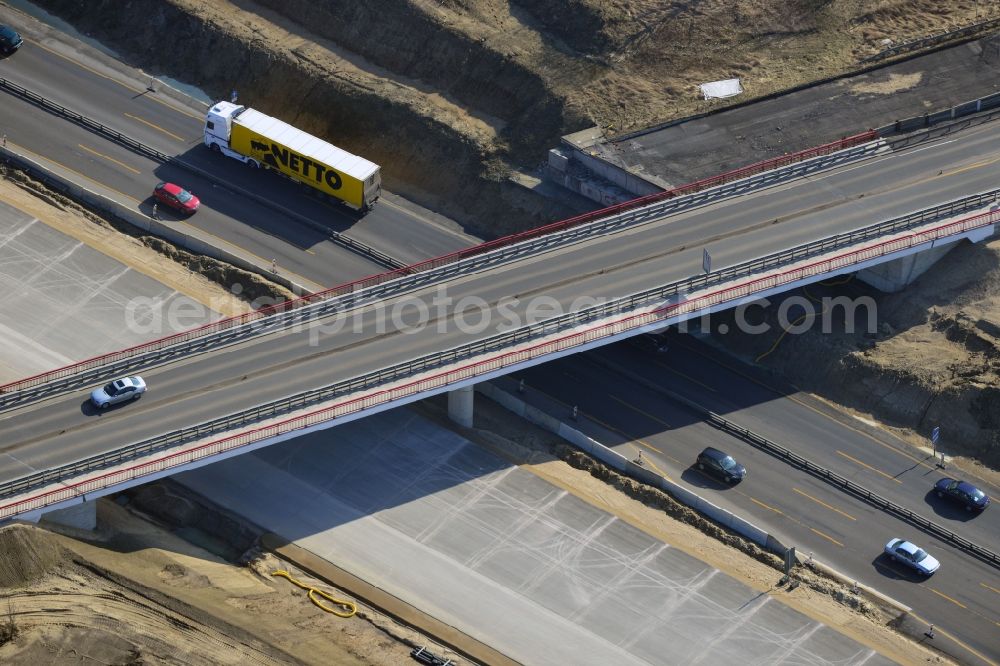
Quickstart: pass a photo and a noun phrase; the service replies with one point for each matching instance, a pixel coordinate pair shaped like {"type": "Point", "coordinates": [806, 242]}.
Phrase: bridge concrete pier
{"type": "Point", "coordinates": [460, 405]}
{"type": "Point", "coordinates": [893, 276]}
{"type": "Point", "coordinates": [82, 516]}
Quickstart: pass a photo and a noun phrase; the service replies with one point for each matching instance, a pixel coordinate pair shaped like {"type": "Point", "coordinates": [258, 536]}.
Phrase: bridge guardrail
{"type": "Point", "coordinates": [544, 238]}
{"type": "Point", "coordinates": [400, 372]}
{"type": "Point", "coordinates": [862, 493]}
{"type": "Point", "coordinates": [347, 242]}
{"type": "Point", "coordinates": [547, 237]}
{"type": "Point", "coordinates": [354, 293]}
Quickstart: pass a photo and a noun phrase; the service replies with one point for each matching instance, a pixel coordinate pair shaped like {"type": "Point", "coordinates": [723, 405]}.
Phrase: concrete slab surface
{"type": "Point", "coordinates": [503, 555]}
{"type": "Point", "coordinates": [701, 147]}
{"type": "Point", "coordinates": [63, 301]}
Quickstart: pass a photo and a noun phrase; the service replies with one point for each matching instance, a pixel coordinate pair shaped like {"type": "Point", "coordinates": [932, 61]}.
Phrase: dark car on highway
{"type": "Point", "coordinates": [721, 465]}
{"type": "Point", "coordinates": [966, 494]}
{"type": "Point", "coordinates": [10, 41]}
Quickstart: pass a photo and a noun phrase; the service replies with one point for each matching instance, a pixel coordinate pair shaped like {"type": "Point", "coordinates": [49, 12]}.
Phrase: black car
{"type": "Point", "coordinates": [10, 41]}
{"type": "Point", "coordinates": [721, 465]}
{"type": "Point", "coordinates": [966, 494]}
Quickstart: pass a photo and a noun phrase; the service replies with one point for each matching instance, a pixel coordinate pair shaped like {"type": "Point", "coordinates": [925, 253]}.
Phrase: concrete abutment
{"type": "Point", "coordinates": [460, 405]}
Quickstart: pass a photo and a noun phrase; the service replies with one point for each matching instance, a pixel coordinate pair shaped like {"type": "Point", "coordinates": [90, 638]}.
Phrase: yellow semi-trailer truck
{"type": "Point", "coordinates": [260, 140]}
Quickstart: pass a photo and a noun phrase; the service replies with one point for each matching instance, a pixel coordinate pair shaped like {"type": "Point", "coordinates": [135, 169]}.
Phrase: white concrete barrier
{"type": "Point", "coordinates": [619, 462]}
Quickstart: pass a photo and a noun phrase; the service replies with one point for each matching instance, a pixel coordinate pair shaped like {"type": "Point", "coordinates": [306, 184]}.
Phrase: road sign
{"type": "Point", "coordinates": [706, 261]}
{"type": "Point", "coordinates": [935, 434]}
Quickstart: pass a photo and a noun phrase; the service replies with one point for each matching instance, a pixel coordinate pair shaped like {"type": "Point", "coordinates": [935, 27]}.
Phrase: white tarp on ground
{"type": "Point", "coordinates": [718, 89]}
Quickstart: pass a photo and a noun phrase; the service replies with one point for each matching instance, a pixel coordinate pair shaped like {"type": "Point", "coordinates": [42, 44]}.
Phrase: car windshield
{"type": "Point", "coordinates": [184, 196]}
{"type": "Point", "coordinates": [919, 555]}
{"type": "Point", "coordinates": [727, 462]}
{"type": "Point", "coordinates": [6, 33]}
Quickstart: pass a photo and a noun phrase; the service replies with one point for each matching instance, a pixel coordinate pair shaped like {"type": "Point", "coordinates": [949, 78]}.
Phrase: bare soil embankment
{"type": "Point", "coordinates": [448, 95]}
{"type": "Point", "coordinates": [932, 357]}
{"type": "Point", "coordinates": [133, 593]}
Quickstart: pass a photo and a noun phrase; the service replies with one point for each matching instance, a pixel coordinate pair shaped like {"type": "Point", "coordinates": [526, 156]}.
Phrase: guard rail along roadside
{"type": "Point", "coordinates": [355, 293]}
{"type": "Point", "coordinates": [852, 488]}
{"type": "Point", "coordinates": [503, 249]}
{"type": "Point", "coordinates": [113, 209]}
{"type": "Point", "coordinates": [821, 473]}
{"type": "Point", "coordinates": [351, 295]}
{"type": "Point", "coordinates": [633, 469]}
{"type": "Point", "coordinates": [435, 382]}
{"type": "Point", "coordinates": [933, 118]}
{"type": "Point", "coordinates": [351, 244]}
{"type": "Point", "coordinates": [637, 471]}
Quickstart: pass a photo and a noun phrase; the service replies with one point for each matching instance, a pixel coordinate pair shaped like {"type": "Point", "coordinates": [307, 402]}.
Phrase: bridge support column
{"type": "Point", "coordinates": [82, 516]}
{"type": "Point", "coordinates": [460, 405]}
{"type": "Point", "coordinates": [893, 276]}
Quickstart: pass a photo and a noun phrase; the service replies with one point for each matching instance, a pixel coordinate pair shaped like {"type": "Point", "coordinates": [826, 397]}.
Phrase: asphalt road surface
{"type": "Point", "coordinates": [612, 389]}
{"type": "Point", "coordinates": [186, 392]}
{"type": "Point", "coordinates": [87, 81]}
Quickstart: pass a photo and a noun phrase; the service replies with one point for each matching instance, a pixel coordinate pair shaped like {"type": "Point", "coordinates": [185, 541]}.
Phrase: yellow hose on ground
{"type": "Point", "coordinates": [349, 607]}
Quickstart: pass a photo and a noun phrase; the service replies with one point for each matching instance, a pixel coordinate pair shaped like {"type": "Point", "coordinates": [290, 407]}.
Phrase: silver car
{"type": "Point", "coordinates": [120, 390]}
{"type": "Point", "coordinates": [913, 557]}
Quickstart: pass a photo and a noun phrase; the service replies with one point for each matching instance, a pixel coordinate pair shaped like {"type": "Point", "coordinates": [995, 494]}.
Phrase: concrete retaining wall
{"type": "Point", "coordinates": [619, 462]}
{"type": "Point", "coordinates": [140, 220]}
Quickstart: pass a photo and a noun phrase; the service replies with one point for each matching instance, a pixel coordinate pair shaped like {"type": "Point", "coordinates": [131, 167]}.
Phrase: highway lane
{"type": "Point", "coordinates": [626, 262]}
{"type": "Point", "coordinates": [869, 456]}
{"type": "Point", "coordinates": [89, 82]}
{"type": "Point", "coordinates": [600, 267]}
{"type": "Point", "coordinates": [300, 251]}
{"type": "Point", "coordinates": [801, 510]}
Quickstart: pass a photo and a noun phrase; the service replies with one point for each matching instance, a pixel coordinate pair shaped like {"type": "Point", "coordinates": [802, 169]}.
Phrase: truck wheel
{"type": "Point", "coordinates": [253, 164]}
{"type": "Point", "coordinates": [215, 148]}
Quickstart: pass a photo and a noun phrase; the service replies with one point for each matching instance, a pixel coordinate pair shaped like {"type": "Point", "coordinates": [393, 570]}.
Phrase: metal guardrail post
{"type": "Point", "coordinates": [407, 369]}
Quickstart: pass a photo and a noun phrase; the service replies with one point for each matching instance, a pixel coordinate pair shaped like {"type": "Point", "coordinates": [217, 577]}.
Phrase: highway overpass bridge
{"type": "Point", "coordinates": [447, 324]}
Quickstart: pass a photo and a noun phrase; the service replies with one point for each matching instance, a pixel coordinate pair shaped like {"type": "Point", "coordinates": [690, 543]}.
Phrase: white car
{"type": "Point", "coordinates": [912, 556]}
{"type": "Point", "coordinates": [120, 390]}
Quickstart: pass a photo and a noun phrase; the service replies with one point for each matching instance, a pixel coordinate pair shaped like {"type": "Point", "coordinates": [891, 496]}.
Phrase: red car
{"type": "Point", "coordinates": [176, 197]}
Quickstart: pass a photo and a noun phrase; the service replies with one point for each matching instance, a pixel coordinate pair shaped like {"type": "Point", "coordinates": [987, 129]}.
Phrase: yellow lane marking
{"type": "Point", "coordinates": [769, 508]}
{"type": "Point", "coordinates": [822, 503]}
{"type": "Point", "coordinates": [125, 86]}
{"type": "Point", "coordinates": [877, 471]}
{"type": "Point", "coordinates": [990, 587]}
{"type": "Point", "coordinates": [826, 416]}
{"type": "Point", "coordinates": [969, 167]}
{"type": "Point", "coordinates": [418, 216]}
{"type": "Point", "coordinates": [951, 637]}
{"type": "Point", "coordinates": [154, 126]}
{"type": "Point", "coordinates": [646, 462]}
{"type": "Point", "coordinates": [945, 596]}
{"type": "Point", "coordinates": [639, 411]}
{"type": "Point", "coordinates": [74, 171]}
{"type": "Point", "coordinates": [109, 158]}
{"type": "Point", "coordinates": [618, 431]}
{"type": "Point", "coordinates": [262, 261]}
{"type": "Point", "coordinates": [826, 536]}
{"type": "Point", "coordinates": [685, 376]}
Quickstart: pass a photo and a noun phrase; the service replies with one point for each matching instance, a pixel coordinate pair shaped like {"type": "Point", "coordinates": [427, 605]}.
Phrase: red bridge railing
{"type": "Point", "coordinates": [664, 314]}
{"type": "Point", "coordinates": [429, 264]}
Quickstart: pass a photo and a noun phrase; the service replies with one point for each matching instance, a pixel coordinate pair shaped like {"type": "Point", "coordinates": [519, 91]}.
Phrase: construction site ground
{"type": "Point", "coordinates": [136, 592]}
{"type": "Point", "coordinates": [712, 144]}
